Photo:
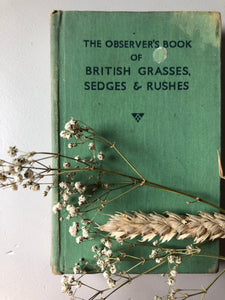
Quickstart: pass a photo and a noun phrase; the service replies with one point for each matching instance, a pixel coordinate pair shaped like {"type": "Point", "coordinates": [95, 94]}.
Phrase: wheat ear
{"type": "Point", "coordinates": [201, 227]}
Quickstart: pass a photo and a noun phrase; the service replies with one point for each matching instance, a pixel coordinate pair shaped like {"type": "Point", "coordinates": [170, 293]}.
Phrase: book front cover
{"type": "Point", "coordinates": [150, 82]}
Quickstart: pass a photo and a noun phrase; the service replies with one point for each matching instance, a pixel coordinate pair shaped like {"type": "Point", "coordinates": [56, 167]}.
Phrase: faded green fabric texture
{"type": "Point", "coordinates": [167, 73]}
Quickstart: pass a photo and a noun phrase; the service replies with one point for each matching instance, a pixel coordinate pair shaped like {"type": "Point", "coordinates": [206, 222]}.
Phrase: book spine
{"type": "Point", "coordinates": [55, 20]}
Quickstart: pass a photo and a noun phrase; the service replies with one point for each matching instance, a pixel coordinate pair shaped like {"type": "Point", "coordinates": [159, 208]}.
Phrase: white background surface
{"type": "Point", "coordinates": [25, 121]}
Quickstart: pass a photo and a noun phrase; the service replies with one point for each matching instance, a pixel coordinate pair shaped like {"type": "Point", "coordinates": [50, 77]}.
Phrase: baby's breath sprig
{"type": "Point", "coordinates": [85, 192]}
{"type": "Point", "coordinates": [25, 170]}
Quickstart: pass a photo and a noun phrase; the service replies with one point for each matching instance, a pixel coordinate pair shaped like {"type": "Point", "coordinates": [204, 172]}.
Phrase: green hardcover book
{"type": "Point", "coordinates": [149, 81]}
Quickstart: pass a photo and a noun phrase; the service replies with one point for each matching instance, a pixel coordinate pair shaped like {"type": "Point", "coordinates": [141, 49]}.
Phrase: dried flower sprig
{"type": "Point", "coordinates": [148, 226]}
{"type": "Point", "coordinates": [91, 194]}
{"type": "Point", "coordinates": [25, 170]}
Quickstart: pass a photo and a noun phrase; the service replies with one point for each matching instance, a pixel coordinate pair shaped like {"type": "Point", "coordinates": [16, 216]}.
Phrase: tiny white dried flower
{"type": "Point", "coordinates": [18, 169]}
{"type": "Point", "coordinates": [78, 185]}
{"type": "Point", "coordinates": [72, 125]}
{"type": "Point", "coordinates": [20, 161]}
{"type": "Point", "coordinates": [3, 177]}
{"type": "Point", "coordinates": [57, 207]}
{"type": "Point", "coordinates": [79, 188]}
{"type": "Point", "coordinates": [170, 281]}
{"type": "Point", "coordinates": [74, 229]}
{"type": "Point", "coordinates": [109, 253]}
{"type": "Point", "coordinates": [79, 239]}
{"type": "Point", "coordinates": [85, 221]}
{"type": "Point", "coordinates": [77, 157]}
{"type": "Point", "coordinates": [106, 274]}
{"type": "Point", "coordinates": [153, 254]}
{"type": "Point", "coordinates": [103, 251]}
{"type": "Point", "coordinates": [103, 241]}
{"type": "Point", "coordinates": [48, 188]}
{"type": "Point", "coordinates": [76, 269]}
{"type": "Point", "coordinates": [12, 151]}
{"type": "Point", "coordinates": [70, 292]}
{"type": "Point", "coordinates": [68, 136]}
{"type": "Point", "coordinates": [9, 169]}
{"type": "Point", "coordinates": [178, 260]}
{"type": "Point", "coordinates": [101, 263]}
{"type": "Point", "coordinates": [78, 284]}
{"type": "Point", "coordinates": [66, 164]}
{"type": "Point", "coordinates": [173, 273]}
{"type": "Point", "coordinates": [111, 283]}
{"type": "Point", "coordinates": [81, 199]}
{"type": "Point", "coordinates": [66, 195]}
{"type": "Point", "coordinates": [14, 186]}
{"type": "Point", "coordinates": [28, 174]}
{"type": "Point", "coordinates": [113, 269]}
{"type": "Point", "coordinates": [63, 134]}
{"type": "Point", "coordinates": [71, 279]}
{"type": "Point", "coordinates": [94, 248]}
{"type": "Point", "coordinates": [171, 259]}
{"type": "Point", "coordinates": [64, 279]}
{"type": "Point", "coordinates": [63, 185]}
{"type": "Point", "coordinates": [82, 189]}
{"type": "Point", "coordinates": [106, 260]}
{"type": "Point", "coordinates": [101, 156]}
{"type": "Point", "coordinates": [18, 178]}
{"type": "Point", "coordinates": [158, 260]}
{"type": "Point", "coordinates": [72, 210]}
{"type": "Point", "coordinates": [35, 187]}
{"type": "Point", "coordinates": [65, 288]}
{"type": "Point", "coordinates": [157, 298]}
{"type": "Point", "coordinates": [68, 126]}
{"type": "Point", "coordinates": [85, 232]}
{"type": "Point", "coordinates": [91, 146]}
{"type": "Point", "coordinates": [108, 244]}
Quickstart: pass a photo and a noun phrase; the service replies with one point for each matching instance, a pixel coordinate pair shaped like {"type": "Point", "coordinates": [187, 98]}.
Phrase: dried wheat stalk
{"type": "Point", "coordinates": [201, 227]}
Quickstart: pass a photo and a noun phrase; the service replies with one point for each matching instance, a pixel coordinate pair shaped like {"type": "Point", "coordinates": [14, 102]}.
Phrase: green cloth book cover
{"type": "Point", "coordinates": [150, 81]}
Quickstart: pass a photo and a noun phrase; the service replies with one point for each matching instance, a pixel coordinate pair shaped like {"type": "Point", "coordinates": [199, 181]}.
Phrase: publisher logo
{"type": "Point", "coordinates": [137, 116]}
